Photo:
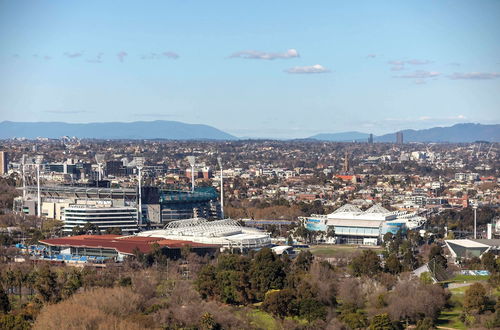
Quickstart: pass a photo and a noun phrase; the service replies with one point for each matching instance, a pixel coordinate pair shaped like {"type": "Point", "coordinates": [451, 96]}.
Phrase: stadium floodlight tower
{"type": "Point", "coordinates": [219, 160]}
{"type": "Point", "coordinates": [192, 161]}
{"type": "Point", "coordinates": [23, 163]}
{"type": "Point", "coordinates": [475, 220]}
{"type": "Point", "coordinates": [38, 161]}
{"type": "Point", "coordinates": [139, 164]}
{"type": "Point", "coordinates": [99, 158]}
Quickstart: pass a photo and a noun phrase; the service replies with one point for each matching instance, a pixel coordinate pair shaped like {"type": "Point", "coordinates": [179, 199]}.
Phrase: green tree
{"type": "Point", "coordinates": [73, 283]}
{"type": "Point", "coordinates": [14, 322]}
{"type": "Point", "coordinates": [46, 285]}
{"type": "Point", "coordinates": [279, 303]}
{"type": "Point", "coordinates": [436, 255]}
{"type": "Point", "coordinates": [303, 261]}
{"type": "Point", "coordinates": [488, 261]}
{"type": "Point", "coordinates": [4, 301]}
{"type": "Point", "coordinates": [311, 309]}
{"type": "Point", "coordinates": [354, 320]}
{"type": "Point", "coordinates": [232, 278]}
{"type": "Point", "coordinates": [266, 273]}
{"type": "Point", "coordinates": [475, 299]}
{"type": "Point", "coordinates": [77, 230]}
{"type": "Point", "coordinates": [426, 278]}
{"type": "Point", "coordinates": [206, 283]}
{"type": "Point", "coordinates": [207, 322]}
{"type": "Point", "coordinates": [114, 231]}
{"type": "Point", "coordinates": [367, 263]}
{"type": "Point", "coordinates": [92, 229]}
{"type": "Point", "coordinates": [392, 264]}
{"type": "Point", "coordinates": [330, 232]}
{"type": "Point", "coordinates": [425, 324]}
{"type": "Point", "coordinates": [381, 322]}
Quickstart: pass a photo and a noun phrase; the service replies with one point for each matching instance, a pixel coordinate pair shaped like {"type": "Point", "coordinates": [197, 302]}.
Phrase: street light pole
{"type": "Point", "coordinates": [219, 160]}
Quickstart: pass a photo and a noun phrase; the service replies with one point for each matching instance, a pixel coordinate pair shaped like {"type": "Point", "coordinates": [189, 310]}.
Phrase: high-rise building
{"type": "Point", "coordinates": [370, 139]}
{"type": "Point", "coordinates": [399, 137]}
{"type": "Point", "coordinates": [115, 168]}
{"type": "Point", "coordinates": [4, 162]}
{"type": "Point", "coordinates": [346, 168]}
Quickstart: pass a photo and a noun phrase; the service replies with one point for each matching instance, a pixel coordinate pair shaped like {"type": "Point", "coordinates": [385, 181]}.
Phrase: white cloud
{"type": "Point", "coordinates": [418, 62]}
{"type": "Point", "coordinates": [258, 55]}
{"type": "Point", "coordinates": [73, 55]}
{"type": "Point", "coordinates": [475, 75]}
{"type": "Point", "coordinates": [159, 56]}
{"type": "Point", "coordinates": [420, 75]}
{"type": "Point", "coordinates": [317, 68]}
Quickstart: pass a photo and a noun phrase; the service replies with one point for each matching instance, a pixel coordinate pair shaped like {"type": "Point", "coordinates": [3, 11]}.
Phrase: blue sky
{"type": "Point", "coordinates": [253, 68]}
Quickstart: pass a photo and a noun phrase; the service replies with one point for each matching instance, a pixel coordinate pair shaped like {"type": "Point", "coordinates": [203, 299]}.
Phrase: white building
{"type": "Point", "coordinates": [353, 226]}
{"type": "Point", "coordinates": [107, 217]}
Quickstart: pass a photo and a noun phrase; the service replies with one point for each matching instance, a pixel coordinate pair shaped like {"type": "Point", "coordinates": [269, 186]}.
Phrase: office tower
{"type": "Point", "coordinates": [4, 162]}
{"type": "Point", "coordinates": [399, 137]}
{"type": "Point", "coordinates": [345, 169]}
{"type": "Point", "coordinates": [370, 139]}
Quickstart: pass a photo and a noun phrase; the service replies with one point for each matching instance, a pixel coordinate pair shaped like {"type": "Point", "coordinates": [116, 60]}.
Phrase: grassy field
{"type": "Point", "coordinates": [450, 318]}
{"type": "Point", "coordinates": [337, 250]}
{"type": "Point", "coordinates": [469, 278]}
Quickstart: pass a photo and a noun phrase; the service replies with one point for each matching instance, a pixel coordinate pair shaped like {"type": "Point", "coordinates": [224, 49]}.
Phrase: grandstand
{"type": "Point", "coordinates": [159, 206]}
{"type": "Point", "coordinates": [228, 233]}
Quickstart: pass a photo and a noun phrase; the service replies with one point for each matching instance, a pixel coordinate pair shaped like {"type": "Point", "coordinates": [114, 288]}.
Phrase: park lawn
{"type": "Point", "coordinates": [470, 278]}
{"type": "Point", "coordinates": [459, 291]}
{"type": "Point", "coordinates": [450, 319]}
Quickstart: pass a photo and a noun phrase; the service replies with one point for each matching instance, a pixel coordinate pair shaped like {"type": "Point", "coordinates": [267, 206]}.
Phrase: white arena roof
{"type": "Point", "coordinates": [228, 233]}
{"type": "Point", "coordinates": [353, 215]}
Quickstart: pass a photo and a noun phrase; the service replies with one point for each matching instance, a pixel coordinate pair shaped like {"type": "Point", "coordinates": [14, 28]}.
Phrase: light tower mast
{"type": "Point", "coordinates": [23, 162]}
{"type": "Point", "coordinates": [475, 221]}
{"type": "Point", "coordinates": [219, 160]}
{"type": "Point", "coordinates": [139, 163]}
{"type": "Point", "coordinates": [99, 158]}
{"type": "Point", "coordinates": [38, 160]}
{"type": "Point", "coordinates": [192, 161]}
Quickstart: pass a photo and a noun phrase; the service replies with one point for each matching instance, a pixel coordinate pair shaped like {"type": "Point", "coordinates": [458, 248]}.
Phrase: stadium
{"type": "Point", "coordinates": [354, 226]}
{"type": "Point", "coordinates": [227, 233]}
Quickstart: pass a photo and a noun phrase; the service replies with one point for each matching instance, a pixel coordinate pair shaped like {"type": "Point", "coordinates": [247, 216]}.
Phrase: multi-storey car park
{"type": "Point", "coordinates": [104, 217]}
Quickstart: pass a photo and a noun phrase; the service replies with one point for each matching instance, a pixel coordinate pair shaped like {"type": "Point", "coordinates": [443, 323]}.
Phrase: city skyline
{"type": "Point", "coordinates": [278, 70]}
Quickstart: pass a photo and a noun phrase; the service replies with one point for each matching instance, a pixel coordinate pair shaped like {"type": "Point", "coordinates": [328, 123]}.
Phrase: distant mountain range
{"type": "Point", "coordinates": [340, 137]}
{"type": "Point", "coordinates": [457, 133]}
{"type": "Point", "coordinates": [173, 130]}
{"type": "Point", "coordinates": [159, 129]}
